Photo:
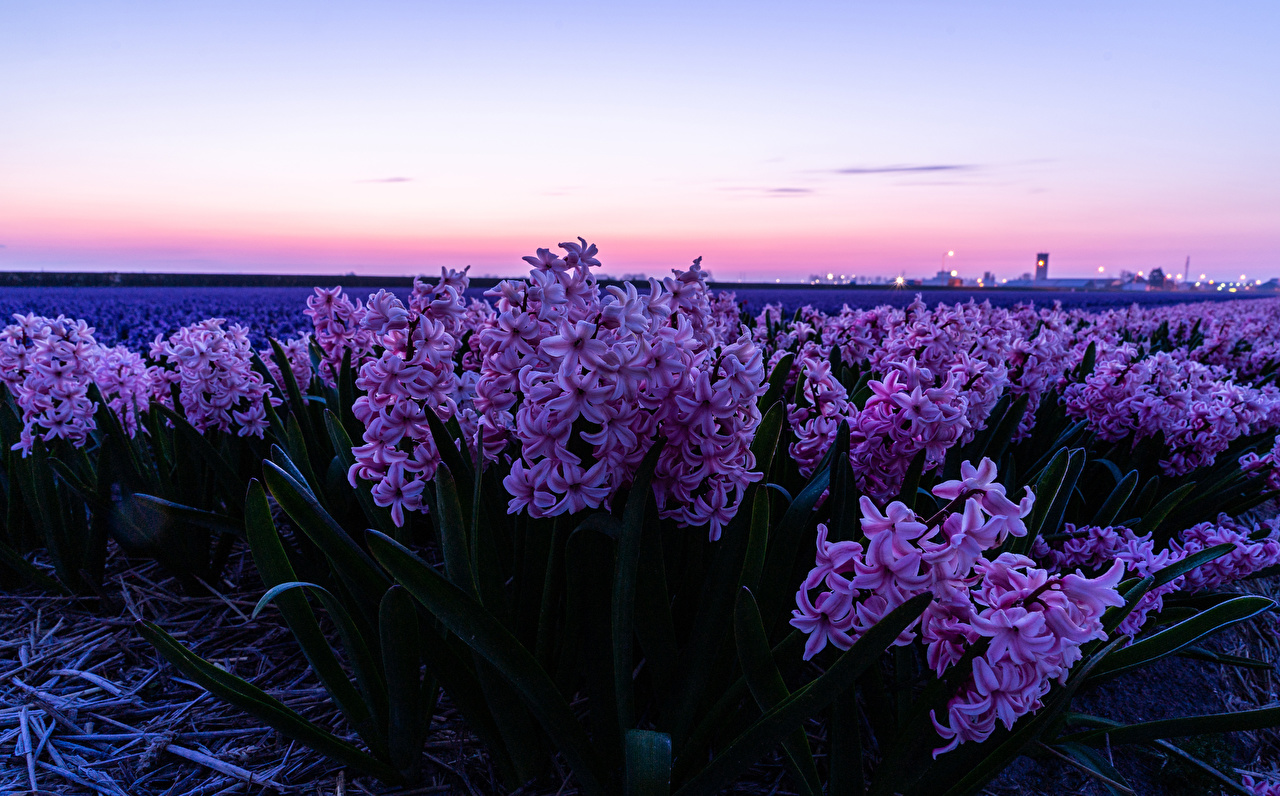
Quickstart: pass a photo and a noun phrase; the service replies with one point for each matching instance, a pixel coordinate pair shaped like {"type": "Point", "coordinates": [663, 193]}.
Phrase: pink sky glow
{"type": "Point", "coordinates": [395, 138]}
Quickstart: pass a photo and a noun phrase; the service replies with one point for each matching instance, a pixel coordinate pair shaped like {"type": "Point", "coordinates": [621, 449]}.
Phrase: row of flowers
{"type": "Point", "coordinates": [568, 384]}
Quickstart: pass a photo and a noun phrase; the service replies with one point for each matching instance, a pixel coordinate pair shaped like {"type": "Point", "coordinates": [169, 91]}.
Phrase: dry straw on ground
{"type": "Point", "coordinates": [88, 707]}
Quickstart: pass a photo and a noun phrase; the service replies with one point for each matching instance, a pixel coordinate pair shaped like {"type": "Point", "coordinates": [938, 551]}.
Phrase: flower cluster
{"type": "Point", "coordinates": [584, 380]}
{"type": "Point", "coordinates": [1096, 549]}
{"type": "Point", "coordinates": [1261, 786]}
{"type": "Point", "coordinates": [48, 365]}
{"type": "Point", "coordinates": [124, 381]}
{"type": "Point", "coordinates": [212, 368]}
{"type": "Point", "coordinates": [1267, 464]}
{"type": "Point", "coordinates": [1034, 621]}
{"type": "Point", "coordinates": [1254, 548]}
{"type": "Point", "coordinates": [410, 373]}
{"type": "Point", "coordinates": [1197, 409]}
{"type": "Point", "coordinates": [337, 330]}
{"type": "Point", "coordinates": [909, 411]}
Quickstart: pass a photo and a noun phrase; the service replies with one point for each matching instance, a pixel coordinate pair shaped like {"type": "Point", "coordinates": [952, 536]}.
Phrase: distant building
{"type": "Point", "coordinates": [1042, 266]}
{"type": "Point", "coordinates": [988, 279]}
{"type": "Point", "coordinates": [1157, 281]}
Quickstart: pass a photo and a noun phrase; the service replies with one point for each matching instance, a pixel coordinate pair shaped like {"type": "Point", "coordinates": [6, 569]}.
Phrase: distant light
{"type": "Point", "coordinates": [900, 281]}
{"type": "Point", "coordinates": [778, 281]}
{"type": "Point", "coordinates": [951, 254]}
{"type": "Point", "coordinates": [1139, 273]}
{"type": "Point", "coordinates": [831, 276]}
{"type": "Point", "coordinates": [1242, 277]}
{"type": "Point", "coordinates": [1197, 284]}
{"type": "Point", "coordinates": [1232, 290]}
{"type": "Point", "coordinates": [1101, 269]}
{"type": "Point", "coordinates": [1257, 282]}
{"type": "Point", "coordinates": [1039, 262]}
{"type": "Point", "coordinates": [954, 273]}
{"type": "Point", "coordinates": [1202, 276]}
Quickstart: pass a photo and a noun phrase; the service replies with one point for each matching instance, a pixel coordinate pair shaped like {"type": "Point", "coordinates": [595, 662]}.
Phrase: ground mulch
{"type": "Point", "coordinates": [88, 707]}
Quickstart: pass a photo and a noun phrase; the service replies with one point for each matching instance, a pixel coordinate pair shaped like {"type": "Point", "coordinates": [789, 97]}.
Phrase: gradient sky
{"type": "Point", "coordinates": [773, 139]}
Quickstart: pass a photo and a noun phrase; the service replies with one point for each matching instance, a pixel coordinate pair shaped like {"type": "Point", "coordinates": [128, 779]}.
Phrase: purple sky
{"type": "Point", "coordinates": [775, 140]}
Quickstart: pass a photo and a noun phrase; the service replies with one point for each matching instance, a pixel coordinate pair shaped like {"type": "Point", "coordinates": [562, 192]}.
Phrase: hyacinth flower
{"type": "Point", "coordinates": [1034, 621]}
{"type": "Point", "coordinates": [337, 330]}
{"type": "Point", "coordinates": [409, 373]}
{"type": "Point", "coordinates": [571, 382]}
{"type": "Point", "coordinates": [212, 368]}
{"type": "Point", "coordinates": [48, 365]}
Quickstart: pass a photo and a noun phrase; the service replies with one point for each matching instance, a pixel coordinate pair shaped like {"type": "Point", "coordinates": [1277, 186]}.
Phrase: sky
{"type": "Point", "coordinates": [775, 140]}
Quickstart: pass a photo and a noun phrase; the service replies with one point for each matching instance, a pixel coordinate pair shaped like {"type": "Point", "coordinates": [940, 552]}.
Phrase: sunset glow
{"type": "Point", "coordinates": [775, 141]}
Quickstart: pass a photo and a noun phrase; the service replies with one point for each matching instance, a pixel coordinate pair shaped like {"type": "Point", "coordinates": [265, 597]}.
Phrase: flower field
{"type": "Point", "coordinates": [645, 541]}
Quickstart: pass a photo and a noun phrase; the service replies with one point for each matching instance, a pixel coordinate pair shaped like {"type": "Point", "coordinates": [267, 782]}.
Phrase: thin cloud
{"type": "Point", "coordinates": [389, 179]}
{"type": "Point", "coordinates": [773, 192]}
{"type": "Point", "coordinates": [904, 169]}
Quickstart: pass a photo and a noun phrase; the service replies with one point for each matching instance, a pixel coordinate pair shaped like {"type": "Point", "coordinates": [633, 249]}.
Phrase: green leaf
{"type": "Point", "coordinates": [1170, 640]}
{"type": "Point", "coordinates": [845, 759]}
{"type": "Point", "coordinates": [1106, 515]}
{"type": "Point", "coordinates": [285, 462]}
{"type": "Point", "coordinates": [297, 408]}
{"type": "Point", "coordinates": [1147, 497]}
{"type": "Point", "coordinates": [792, 712]}
{"type": "Point", "coordinates": [766, 685]}
{"type": "Point", "coordinates": [27, 571]}
{"type": "Point", "coordinates": [453, 534]}
{"type": "Point", "coordinates": [845, 512]}
{"type": "Point", "coordinates": [358, 571]}
{"type": "Point", "coordinates": [765, 444]}
{"type": "Point", "coordinates": [655, 628]}
{"type": "Point", "coordinates": [363, 664]}
{"type": "Point", "coordinates": [648, 763]}
{"type": "Point", "coordinates": [274, 568]}
{"type": "Point", "coordinates": [1054, 488]}
{"type": "Point", "coordinates": [1092, 760]}
{"type": "Point", "coordinates": [178, 513]}
{"type": "Point", "coordinates": [626, 562]}
{"type": "Point", "coordinates": [998, 441]}
{"type": "Point", "coordinates": [1155, 516]}
{"type": "Point", "coordinates": [911, 483]}
{"type": "Point", "coordinates": [1144, 732]}
{"type": "Point", "coordinates": [1052, 450]}
{"type": "Point", "coordinates": [476, 627]}
{"type": "Point", "coordinates": [757, 541]}
{"type": "Point", "coordinates": [1085, 369]}
{"type": "Point", "coordinates": [226, 477]}
{"type": "Point", "coordinates": [406, 725]}
{"type": "Point", "coordinates": [447, 447]}
{"type": "Point", "coordinates": [777, 382]}
{"type": "Point", "coordinates": [262, 706]}
{"type": "Point", "coordinates": [378, 516]}
{"type": "Point", "coordinates": [1244, 662]}
{"type": "Point", "coordinates": [777, 582]}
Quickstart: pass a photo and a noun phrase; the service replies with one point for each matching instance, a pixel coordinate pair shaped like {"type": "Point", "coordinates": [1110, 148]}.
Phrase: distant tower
{"type": "Point", "coordinates": [1042, 266]}
{"type": "Point", "coordinates": [1186, 271]}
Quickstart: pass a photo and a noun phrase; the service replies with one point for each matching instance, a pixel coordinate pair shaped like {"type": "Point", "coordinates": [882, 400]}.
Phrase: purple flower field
{"type": "Point", "coordinates": [710, 518]}
{"type": "Point", "coordinates": [135, 315]}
